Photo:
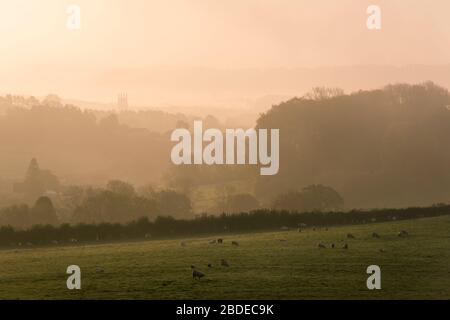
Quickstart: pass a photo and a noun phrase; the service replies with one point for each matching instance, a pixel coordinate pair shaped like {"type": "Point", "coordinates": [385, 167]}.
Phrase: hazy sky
{"type": "Point", "coordinates": [39, 54]}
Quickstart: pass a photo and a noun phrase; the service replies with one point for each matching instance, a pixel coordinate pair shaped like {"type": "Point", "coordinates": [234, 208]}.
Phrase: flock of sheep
{"type": "Point", "coordinates": [197, 274]}
{"type": "Point", "coordinates": [375, 235]}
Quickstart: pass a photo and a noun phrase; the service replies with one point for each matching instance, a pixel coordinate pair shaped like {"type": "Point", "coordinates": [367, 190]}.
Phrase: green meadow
{"type": "Point", "coordinates": [270, 265]}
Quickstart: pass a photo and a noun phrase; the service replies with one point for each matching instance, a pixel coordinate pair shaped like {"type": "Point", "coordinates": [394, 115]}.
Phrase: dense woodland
{"type": "Point", "coordinates": [379, 148]}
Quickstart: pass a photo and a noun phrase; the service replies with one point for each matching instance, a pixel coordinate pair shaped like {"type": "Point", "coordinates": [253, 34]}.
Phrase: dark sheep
{"type": "Point", "coordinates": [197, 275]}
{"type": "Point", "coordinates": [403, 233]}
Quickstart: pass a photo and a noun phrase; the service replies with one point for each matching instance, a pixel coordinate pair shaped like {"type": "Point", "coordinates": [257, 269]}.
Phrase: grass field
{"type": "Point", "coordinates": [262, 267]}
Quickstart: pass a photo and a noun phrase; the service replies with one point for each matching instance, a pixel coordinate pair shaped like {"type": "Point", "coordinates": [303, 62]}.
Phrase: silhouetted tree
{"type": "Point", "coordinates": [321, 198]}
{"type": "Point", "coordinates": [37, 181]}
{"type": "Point", "coordinates": [121, 187]}
{"type": "Point", "coordinates": [172, 203]}
{"type": "Point", "coordinates": [323, 93]}
{"type": "Point", "coordinates": [17, 216]}
{"type": "Point", "coordinates": [43, 212]}
{"type": "Point", "coordinates": [242, 202]}
{"type": "Point", "coordinates": [311, 198]}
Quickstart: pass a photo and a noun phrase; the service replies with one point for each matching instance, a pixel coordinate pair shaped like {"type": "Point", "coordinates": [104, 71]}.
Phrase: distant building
{"type": "Point", "coordinates": [122, 101]}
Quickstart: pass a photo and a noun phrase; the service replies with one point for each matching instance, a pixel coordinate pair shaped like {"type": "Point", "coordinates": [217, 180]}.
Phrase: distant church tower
{"type": "Point", "coordinates": [122, 101]}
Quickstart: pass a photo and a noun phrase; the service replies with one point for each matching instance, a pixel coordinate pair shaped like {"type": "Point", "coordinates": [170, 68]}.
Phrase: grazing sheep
{"type": "Point", "coordinates": [322, 246]}
{"type": "Point", "coordinates": [302, 225]}
{"type": "Point", "coordinates": [224, 263]}
{"type": "Point", "coordinates": [220, 241]}
{"type": "Point", "coordinates": [345, 246]}
{"type": "Point", "coordinates": [284, 228]}
{"type": "Point", "coordinates": [235, 243]}
{"type": "Point", "coordinates": [148, 236]}
{"type": "Point", "coordinates": [197, 275]}
{"type": "Point", "coordinates": [55, 242]}
{"type": "Point", "coordinates": [403, 233]}
{"type": "Point", "coordinates": [350, 236]}
{"type": "Point", "coordinates": [73, 240]}
{"type": "Point", "coordinates": [375, 235]}
{"type": "Point", "coordinates": [99, 270]}
{"type": "Point", "coordinates": [212, 242]}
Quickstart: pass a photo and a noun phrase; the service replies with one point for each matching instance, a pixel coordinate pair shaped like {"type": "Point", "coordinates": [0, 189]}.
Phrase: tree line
{"type": "Point", "coordinates": [169, 227]}
{"type": "Point", "coordinates": [119, 202]}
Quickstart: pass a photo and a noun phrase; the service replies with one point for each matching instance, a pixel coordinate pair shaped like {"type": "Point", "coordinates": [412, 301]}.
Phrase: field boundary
{"type": "Point", "coordinates": [170, 228]}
